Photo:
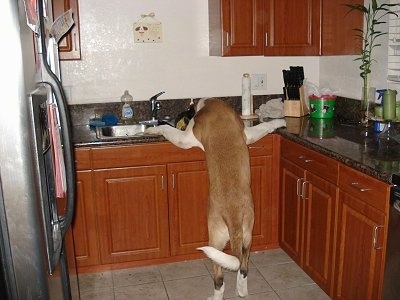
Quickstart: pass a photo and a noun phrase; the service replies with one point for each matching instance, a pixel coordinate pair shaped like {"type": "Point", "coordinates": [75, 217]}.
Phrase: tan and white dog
{"type": "Point", "coordinates": [219, 131]}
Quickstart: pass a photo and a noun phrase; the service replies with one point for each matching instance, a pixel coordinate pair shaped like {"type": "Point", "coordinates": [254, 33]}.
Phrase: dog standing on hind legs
{"type": "Point", "coordinates": [218, 130]}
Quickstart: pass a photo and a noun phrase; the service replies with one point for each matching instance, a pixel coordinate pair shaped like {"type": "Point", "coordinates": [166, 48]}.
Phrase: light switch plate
{"type": "Point", "coordinates": [259, 81]}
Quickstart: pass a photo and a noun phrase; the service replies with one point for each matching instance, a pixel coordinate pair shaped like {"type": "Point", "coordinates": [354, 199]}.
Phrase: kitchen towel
{"type": "Point", "coordinates": [58, 156]}
{"type": "Point", "coordinates": [271, 109]}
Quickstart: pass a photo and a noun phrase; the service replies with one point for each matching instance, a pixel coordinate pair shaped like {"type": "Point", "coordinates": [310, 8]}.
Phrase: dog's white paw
{"type": "Point", "coordinates": [278, 123]}
{"type": "Point", "coordinates": [241, 285]}
{"type": "Point", "coordinates": [218, 294]}
{"type": "Point", "coordinates": [154, 130]}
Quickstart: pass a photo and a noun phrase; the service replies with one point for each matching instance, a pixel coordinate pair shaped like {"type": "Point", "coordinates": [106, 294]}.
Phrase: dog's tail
{"type": "Point", "coordinates": [226, 261]}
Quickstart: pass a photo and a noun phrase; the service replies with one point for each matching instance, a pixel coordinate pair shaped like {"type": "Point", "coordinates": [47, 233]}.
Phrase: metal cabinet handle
{"type": "Point", "coordinates": [306, 160]}
{"type": "Point", "coordinates": [256, 147]}
{"type": "Point", "coordinates": [162, 182]}
{"type": "Point", "coordinates": [375, 243]}
{"type": "Point", "coordinates": [266, 39]}
{"type": "Point", "coordinates": [356, 186]}
{"type": "Point", "coordinates": [227, 39]}
{"type": "Point", "coordinates": [173, 181]}
{"type": "Point", "coordinates": [303, 189]}
{"type": "Point", "coordinates": [299, 182]}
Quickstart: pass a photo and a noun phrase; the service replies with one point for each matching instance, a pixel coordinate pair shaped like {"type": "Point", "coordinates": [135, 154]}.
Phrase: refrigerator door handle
{"type": "Point", "coordinates": [60, 98]}
{"type": "Point", "coordinates": [66, 219]}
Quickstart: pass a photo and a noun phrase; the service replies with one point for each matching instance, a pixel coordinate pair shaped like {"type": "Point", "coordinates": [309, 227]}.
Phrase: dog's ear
{"type": "Point", "coordinates": [199, 105]}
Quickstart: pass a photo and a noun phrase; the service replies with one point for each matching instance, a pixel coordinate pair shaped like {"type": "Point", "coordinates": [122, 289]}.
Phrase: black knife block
{"type": "Point", "coordinates": [296, 107]}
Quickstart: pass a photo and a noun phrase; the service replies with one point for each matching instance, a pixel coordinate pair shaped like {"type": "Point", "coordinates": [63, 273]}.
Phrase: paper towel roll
{"type": "Point", "coordinates": [247, 99]}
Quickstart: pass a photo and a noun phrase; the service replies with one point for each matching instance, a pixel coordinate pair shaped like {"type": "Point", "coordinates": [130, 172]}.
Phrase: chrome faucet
{"type": "Point", "coordinates": [155, 105]}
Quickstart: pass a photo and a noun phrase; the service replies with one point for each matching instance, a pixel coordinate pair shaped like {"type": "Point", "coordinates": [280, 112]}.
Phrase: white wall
{"type": "Point", "coordinates": [112, 62]}
{"type": "Point", "coordinates": [343, 73]}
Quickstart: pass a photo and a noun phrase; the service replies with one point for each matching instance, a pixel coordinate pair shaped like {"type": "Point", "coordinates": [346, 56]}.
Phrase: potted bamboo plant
{"type": "Point", "coordinates": [373, 16]}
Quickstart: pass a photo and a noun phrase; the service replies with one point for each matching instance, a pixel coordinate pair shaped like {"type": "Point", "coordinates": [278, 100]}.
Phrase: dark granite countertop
{"type": "Point", "coordinates": [350, 144]}
{"type": "Point", "coordinates": [355, 146]}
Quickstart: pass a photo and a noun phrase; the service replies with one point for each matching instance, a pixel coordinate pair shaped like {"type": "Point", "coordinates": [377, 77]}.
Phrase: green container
{"type": "Point", "coordinates": [322, 107]}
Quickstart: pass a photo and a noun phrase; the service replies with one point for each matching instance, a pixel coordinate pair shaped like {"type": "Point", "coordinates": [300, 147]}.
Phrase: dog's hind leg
{"type": "Point", "coordinates": [218, 237]}
{"type": "Point", "coordinates": [241, 280]}
{"type": "Point", "coordinates": [219, 285]}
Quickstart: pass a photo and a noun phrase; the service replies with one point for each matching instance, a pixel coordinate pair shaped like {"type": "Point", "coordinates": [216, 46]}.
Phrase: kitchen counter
{"type": "Point", "coordinates": [350, 144]}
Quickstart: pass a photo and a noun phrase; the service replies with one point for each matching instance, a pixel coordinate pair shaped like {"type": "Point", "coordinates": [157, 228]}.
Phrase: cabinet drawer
{"type": "Point", "coordinates": [82, 159]}
{"type": "Point", "coordinates": [160, 153]}
{"type": "Point", "coordinates": [142, 154]}
{"type": "Point", "coordinates": [310, 160]}
{"type": "Point", "coordinates": [370, 190]}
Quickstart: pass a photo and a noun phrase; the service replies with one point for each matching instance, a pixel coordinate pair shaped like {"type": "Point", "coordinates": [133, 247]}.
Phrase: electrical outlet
{"type": "Point", "coordinates": [259, 81]}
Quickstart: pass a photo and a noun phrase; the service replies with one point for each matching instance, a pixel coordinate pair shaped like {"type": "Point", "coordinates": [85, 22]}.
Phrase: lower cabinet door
{"type": "Point", "coordinates": [291, 221]}
{"type": "Point", "coordinates": [320, 206]}
{"type": "Point", "coordinates": [132, 213]}
{"type": "Point", "coordinates": [188, 204]}
{"type": "Point", "coordinates": [359, 270]}
{"type": "Point", "coordinates": [84, 225]}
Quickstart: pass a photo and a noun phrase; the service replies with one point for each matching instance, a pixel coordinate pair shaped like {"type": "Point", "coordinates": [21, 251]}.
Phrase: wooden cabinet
{"type": "Point", "coordinates": [188, 204]}
{"type": "Point", "coordinates": [362, 235]}
{"type": "Point", "coordinates": [338, 35]}
{"type": "Point", "coordinates": [291, 227]}
{"type": "Point", "coordinates": [149, 201]}
{"type": "Point", "coordinates": [132, 213]}
{"type": "Point", "coordinates": [319, 230]}
{"type": "Point", "coordinates": [292, 27]}
{"type": "Point", "coordinates": [308, 211]}
{"type": "Point", "coordinates": [282, 27]}
{"type": "Point", "coordinates": [84, 227]}
{"type": "Point", "coordinates": [334, 222]}
{"type": "Point", "coordinates": [69, 46]}
{"type": "Point", "coordinates": [236, 27]}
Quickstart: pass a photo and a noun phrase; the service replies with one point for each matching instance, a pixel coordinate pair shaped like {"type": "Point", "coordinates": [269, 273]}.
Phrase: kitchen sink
{"type": "Point", "coordinates": [122, 131]}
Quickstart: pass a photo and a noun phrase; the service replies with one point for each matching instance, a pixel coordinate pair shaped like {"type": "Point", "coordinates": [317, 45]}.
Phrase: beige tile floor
{"type": "Point", "coordinates": [272, 276]}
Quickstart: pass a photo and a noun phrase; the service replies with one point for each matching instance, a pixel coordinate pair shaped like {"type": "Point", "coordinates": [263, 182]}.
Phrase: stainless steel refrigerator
{"type": "Point", "coordinates": [37, 176]}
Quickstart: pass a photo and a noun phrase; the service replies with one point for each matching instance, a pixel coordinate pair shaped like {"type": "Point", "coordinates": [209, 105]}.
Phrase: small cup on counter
{"type": "Point", "coordinates": [389, 104]}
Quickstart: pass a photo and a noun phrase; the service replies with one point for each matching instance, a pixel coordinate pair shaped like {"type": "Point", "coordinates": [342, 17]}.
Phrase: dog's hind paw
{"type": "Point", "coordinates": [218, 294]}
{"type": "Point", "coordinates": [241, 285]}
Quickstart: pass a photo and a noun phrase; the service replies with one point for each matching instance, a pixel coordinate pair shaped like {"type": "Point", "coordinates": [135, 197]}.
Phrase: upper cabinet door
{"type": "Point", "coordinates": [292, 27]}
{"type": "Point", "coordinates": [69, 46]}
{"type": "Point", "coordinates": [236, 27]}
{"type": "Point", "coordinates": [338, 34]}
